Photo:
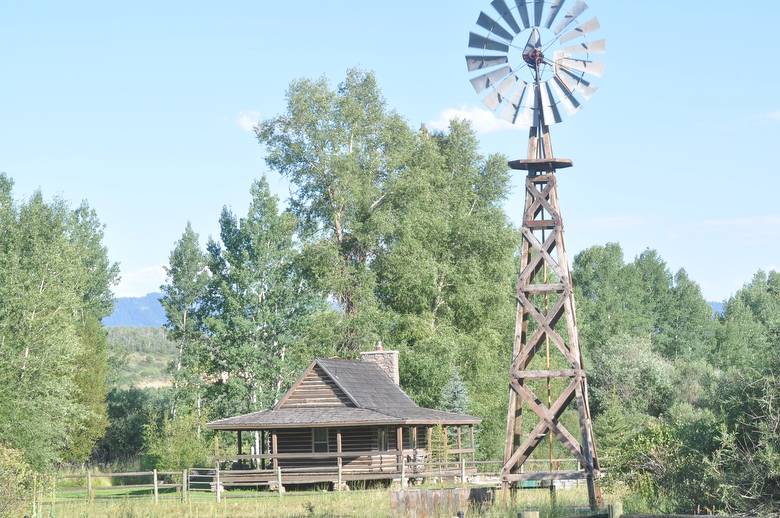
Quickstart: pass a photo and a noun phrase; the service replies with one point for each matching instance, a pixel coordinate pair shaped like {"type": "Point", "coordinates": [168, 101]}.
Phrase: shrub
{"type": "Point", "coordinates": [16, 482]}
{"type": "Point", "coordinates": [175, 444]}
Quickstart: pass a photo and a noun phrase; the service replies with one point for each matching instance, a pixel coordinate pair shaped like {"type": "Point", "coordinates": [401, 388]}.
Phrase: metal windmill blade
{"type": "Point", "coordinates": [520, 66]}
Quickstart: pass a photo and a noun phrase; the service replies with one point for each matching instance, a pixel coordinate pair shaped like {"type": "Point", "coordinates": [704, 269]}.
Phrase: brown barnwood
{"type": "Point", "coordinates": [543, 248]}
{"type": "Point", "coordinates": [274, 449]}
{"type": "Point", "coordinates": [564, 373]}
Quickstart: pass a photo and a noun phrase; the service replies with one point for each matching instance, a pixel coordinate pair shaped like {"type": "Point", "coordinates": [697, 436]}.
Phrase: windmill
{"type": "Point", "coordinates": [532, 63]}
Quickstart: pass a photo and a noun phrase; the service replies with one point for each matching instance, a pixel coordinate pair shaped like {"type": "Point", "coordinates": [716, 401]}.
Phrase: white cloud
{"type": "Point", "coordinates": [482, 120]}
{"type": "Point", "coordinates": [138, 283]}
{"type": "Point", "coordinates": [247, 120]}
{"type": "Point", "coordinates": [775, 116]}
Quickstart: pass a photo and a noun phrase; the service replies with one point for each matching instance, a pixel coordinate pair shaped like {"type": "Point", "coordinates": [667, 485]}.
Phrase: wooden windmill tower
{"type": "Point", "coordinates": [535, 62]}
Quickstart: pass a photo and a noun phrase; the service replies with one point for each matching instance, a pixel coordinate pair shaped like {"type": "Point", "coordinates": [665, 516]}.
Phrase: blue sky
{"type": "Point", "coordinates": [142, 108]}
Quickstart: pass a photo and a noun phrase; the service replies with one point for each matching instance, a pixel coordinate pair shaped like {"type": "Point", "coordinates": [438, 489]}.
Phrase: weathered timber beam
{"type": "Point", "coordinates": [546, 475]}
{"type": "Point", "coordinates": [565, 373]}
{"type": "Point", "coordinates": [544, 288]}
{"type": "Point", "coordinates": [540, 164]}
{"type": "Point", "coordinates": [545, 224]}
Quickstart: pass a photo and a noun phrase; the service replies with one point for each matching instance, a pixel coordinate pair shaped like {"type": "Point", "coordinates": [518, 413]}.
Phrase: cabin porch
{"type": "Point", "coordinates": [309, 455]}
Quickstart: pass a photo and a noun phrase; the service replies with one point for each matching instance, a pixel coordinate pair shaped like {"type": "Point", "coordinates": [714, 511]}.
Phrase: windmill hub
{"type": "Point", "coordinates": [524, 82]}
{"type": "Point", "coordinates": [533, 57]}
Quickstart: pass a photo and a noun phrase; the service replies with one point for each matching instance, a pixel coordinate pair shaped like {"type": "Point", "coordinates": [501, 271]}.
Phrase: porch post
{"type": "Point", "coordinates": [238, 439]}
{"type": "Point", "coordinates": [257, 448]}
{"type": "Point", "coordinates": [339, 460]}
{"type": "Point", "coordinates": [263, 449]}
{"type": "Point", "coordinates": [460, 444]}
{"type": "Point", "coordinates": [471, 442]}
{"type": "Point", "coordinates": [274, 449]}
{"type": "Point", "coordinates": [399, 438]}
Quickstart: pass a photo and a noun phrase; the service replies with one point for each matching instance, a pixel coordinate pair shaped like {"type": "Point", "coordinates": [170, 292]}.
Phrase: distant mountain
{"type": "Point", "coordinates": [718, 307]}
{"type": "Point", "coordinates": [143, 311]}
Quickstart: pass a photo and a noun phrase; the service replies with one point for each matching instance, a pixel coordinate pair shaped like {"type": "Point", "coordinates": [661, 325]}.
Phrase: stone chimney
{"type": "Point", "coordinates": [386, 360]}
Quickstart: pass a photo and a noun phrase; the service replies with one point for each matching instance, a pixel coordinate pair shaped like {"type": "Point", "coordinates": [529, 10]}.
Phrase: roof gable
{"type": "Point", "coordinates": [316, 389]}
{"type": "Point", "coordinates": [366, 384]}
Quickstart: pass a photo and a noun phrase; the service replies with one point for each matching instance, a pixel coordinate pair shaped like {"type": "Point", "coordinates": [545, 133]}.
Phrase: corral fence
{"type": "Point", "coordinates": [239, 477]}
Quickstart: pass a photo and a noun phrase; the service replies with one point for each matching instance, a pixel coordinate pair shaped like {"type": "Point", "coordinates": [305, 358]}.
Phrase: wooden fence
{"type": "Point", "coordinates": [217, 479]}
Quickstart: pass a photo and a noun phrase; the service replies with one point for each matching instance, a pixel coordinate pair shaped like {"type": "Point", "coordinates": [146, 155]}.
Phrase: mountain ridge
{"type": "Point", "coordinates": [147, 311]}
{"type": "Point", "coordinates": [143, 311]}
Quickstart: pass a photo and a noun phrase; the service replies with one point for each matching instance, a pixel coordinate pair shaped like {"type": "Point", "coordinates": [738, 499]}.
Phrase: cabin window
{"type": "Point", "coordinates": [381, 439]}
{"type": "Point", "coordinates": [319, 439]}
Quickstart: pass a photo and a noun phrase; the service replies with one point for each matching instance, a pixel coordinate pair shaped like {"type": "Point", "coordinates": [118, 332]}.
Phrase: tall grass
{"type": "Point", "coordinates": [310, 504]}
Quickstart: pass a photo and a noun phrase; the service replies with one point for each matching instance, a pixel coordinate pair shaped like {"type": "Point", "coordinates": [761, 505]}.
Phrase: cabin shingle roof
{"type": "Point", "coordinates": [366, 384]}
{"type": "Point", "coordinates": [378, 401]}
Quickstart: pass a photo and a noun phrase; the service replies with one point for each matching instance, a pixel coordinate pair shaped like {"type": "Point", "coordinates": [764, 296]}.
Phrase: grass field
{"type": "Point", "coordinates": [321, 504]}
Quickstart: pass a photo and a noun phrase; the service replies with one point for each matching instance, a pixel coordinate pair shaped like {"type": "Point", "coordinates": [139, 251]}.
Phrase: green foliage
{"type": "Point", "coordinates": [745, 471]}
{"type": "Point", "coordinates": [626, 371]}
{"type": "Point", "coordinates": [16, 482]}
{"type": "Point", "coordinates": [54, 284]}
{"type": "Point", "coordinates": [438, 448]}
{"type": "Point", "coordinates": [455, 394]}
{"type": "Point", "coordinates": [130, 411]}
{"type": "Point", "coordinates": [342, 151]}
{"type": "Point", "coordinates": [255, 309]}
{"type": "Point", "coordinates": [175, 444]}
{"type": "Point", "coordinates": [91, 380]}
{"type": "Point", "coordinates": [182, 294]}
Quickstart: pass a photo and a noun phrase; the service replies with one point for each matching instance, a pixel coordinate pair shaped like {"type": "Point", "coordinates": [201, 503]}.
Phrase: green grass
{"type": "Point", "coordinates": [127, 503]}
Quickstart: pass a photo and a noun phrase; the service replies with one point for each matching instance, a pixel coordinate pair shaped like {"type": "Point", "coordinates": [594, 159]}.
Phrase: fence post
{"type": "Point", "coordinates": [184, 481]}
{"type": "Point", "coordinates": [218, 485]}
{"type": "Point", "coordinates": [89, 485]}
{"type": "Point", "coordinates": [463, 470]}
{"type": "Point", "coordinates": [154, 483]}
{"type": "Point", "coordinates": [338, 486]}
{"type": "Point", "coordinates": [279, 486]}
{"type": "Point", "coordinates": [403, 472]}
{"type": "Point", "coordinates": [615, 510]}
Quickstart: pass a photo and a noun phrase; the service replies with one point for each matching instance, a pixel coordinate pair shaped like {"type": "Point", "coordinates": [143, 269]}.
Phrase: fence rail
{"type": "Point", "coordinates": [216, 480]}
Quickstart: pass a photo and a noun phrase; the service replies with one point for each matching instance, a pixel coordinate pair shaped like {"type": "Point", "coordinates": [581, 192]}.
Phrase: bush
{"type": "Point", "coordinates": [175, 444]}
{"type": "Point", "coordinates": [16, 482]}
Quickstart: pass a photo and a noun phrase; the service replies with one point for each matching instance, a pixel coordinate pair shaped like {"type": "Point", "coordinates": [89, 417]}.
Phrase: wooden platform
{"type": "Point", "coordinates": [544, 164]}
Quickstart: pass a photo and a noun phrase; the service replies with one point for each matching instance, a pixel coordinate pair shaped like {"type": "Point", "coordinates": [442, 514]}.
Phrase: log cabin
{"type": "Point", "coordinates": [346, 420]}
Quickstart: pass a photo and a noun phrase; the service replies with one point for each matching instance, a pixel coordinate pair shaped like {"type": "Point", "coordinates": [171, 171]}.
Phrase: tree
{"type": "Point", "coordinates": [627, 371]}
{"type": "Point", "coordinates": [455, 395]}
{"type": "Point", "coordinates": [186, 281]}
{"type": "Point", "coordinates": [55, 283]}
{"type": "Point", "coordinates": [91, 380]}
{"type": "Point", "coordinates": [750, 333]}
{"type": "Point", "coordinates": [342, 151]}
{"type": "Point", "coordinates": [255, 309]}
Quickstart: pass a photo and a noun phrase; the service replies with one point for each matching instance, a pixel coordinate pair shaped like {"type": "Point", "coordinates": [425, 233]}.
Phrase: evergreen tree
{"type": "Point", "coordinates": [455, 395]}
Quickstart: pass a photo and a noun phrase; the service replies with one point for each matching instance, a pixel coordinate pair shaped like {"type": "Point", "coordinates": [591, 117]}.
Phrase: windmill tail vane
{"type": "Point", "coordinates": [531, 63]}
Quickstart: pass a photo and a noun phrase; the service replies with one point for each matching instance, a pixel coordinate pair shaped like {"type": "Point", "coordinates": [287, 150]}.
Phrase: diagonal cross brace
{"type": "Point", "coordinates": [539, 431]}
